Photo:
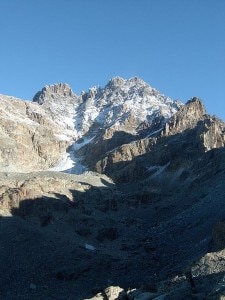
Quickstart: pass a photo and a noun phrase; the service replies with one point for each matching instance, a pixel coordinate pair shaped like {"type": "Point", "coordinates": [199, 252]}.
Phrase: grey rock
{"type": "Point", "coordinates": [115, 292]}
{"type": "Point", "coordinates": [33, 286]}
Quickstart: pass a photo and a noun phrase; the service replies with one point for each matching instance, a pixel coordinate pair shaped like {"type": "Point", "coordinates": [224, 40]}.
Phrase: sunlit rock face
{"type": "Point", "coordinates": [30, 140]}
{"type": "Point", "coordinates": [51, 92]}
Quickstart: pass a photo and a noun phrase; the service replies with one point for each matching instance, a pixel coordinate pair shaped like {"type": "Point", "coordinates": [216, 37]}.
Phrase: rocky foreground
{"type": "Point", "coordinates": [71, 236]}
{"type": "Point", "coordinates": [145, 219]}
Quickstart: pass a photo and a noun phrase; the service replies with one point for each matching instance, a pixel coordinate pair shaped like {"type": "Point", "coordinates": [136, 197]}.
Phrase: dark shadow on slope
{"type": "Point", "coordinates": [55, 248]}
{"type": "Point", "coordinates": [107, 183]}
{"type": "Point", "coordinates": [56, 261]}
{"type": "Point", "coordinates": [44, 208]}
{"type": "Point", "coordinates": [211, 284]}
{"type": "Point", "coordinates": [96, 151]}
{"type": "Point", "coordinates": [166, 150]}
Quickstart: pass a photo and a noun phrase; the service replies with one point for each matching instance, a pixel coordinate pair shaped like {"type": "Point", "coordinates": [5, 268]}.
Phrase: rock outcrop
{"type": "Point", "coordinates": [53, 92]}
{"type": "Point", "coordinates": [30, 140]}
{"type": "Point", "coordinates": [186, 118]}
{"type": "Point", "coordinates": [183, 140]}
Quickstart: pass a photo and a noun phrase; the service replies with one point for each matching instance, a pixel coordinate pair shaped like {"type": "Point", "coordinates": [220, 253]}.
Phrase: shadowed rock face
{"type": "Point", "coordinates": [182, 141]}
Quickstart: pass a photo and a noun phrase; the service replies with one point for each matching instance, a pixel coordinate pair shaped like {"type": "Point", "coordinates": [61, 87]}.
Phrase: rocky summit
{"type": "Point", "coordinates": [116, 193]}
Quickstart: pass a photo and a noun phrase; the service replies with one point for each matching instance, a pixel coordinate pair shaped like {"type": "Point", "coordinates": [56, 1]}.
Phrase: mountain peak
{"type": "Point", "coordinates": [137, 80]}
{"type": "Point", "coordinates": [50, 91]}
{"type": "Point", "coordinates": [187, 117]}
{"type": "Point", "coordinates": [195, 107]}
{"type": "Point", "coordinates": [118, 81]}
{"type": "Point", "coordinates": [115, 82]}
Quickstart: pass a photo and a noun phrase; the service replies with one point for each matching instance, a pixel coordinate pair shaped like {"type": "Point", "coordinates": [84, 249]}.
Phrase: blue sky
{"type": "Point", "coordinates": [176, 46]}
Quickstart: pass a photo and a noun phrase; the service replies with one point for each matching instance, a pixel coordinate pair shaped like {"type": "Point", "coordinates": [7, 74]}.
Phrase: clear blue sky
{"type": "Point", "coordinates": [177, 46]}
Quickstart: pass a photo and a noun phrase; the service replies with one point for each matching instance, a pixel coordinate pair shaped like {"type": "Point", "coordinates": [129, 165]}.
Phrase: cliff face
{"type": "Point", "coordinates": [51, 93]}
{"type": "Point", "coordinates": [187, 136]}
{"type": "Point", "coordinates": [186, 118]}
{"type": "Point", "coordinates": [30, 140]}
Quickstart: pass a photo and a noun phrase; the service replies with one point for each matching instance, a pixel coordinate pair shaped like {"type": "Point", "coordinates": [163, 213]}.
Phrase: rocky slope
{"type": "Point", "coordinates": [30, 140]}
{"type": "Point", "coordinates": [148, 216]}
{"type": "Point", "coordinates": [182, 141]}
{"type": "Point", "coordinates": [151, 236]}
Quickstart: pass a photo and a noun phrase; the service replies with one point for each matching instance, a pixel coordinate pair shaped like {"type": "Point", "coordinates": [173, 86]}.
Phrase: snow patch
{"type": "Point", "coordinates": [158, 169]}
{"type": "Point", "coordinates": [154, 132]}
{"type": "Point", "coordinates": [76, 146]}
{"type": "Point", "coordinates": [63, 137]}
{"type": "Point", "coordinates": [70, 163]}
{"type": "Point", "coordinates": [89, 247]}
